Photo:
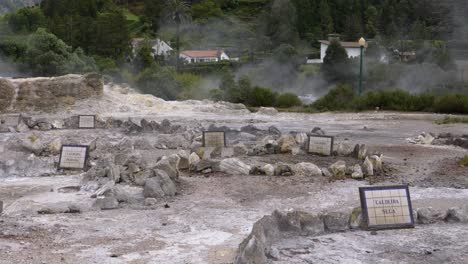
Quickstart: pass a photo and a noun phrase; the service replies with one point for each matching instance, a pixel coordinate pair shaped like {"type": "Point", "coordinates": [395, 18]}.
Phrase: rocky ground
{"type": "Point", "coordinates": [200, 211]}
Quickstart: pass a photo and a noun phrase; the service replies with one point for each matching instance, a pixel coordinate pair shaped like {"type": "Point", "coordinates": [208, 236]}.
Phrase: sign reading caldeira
{"type": "Point", "coordinates": [73, 157]}
{"type": "Point", "coordinates": [322, 145]}
{"type": "Point", "coordinates": [214, 139]}
{"type": "Point", "coordinates": [386, 207]}
{"type": "Point", "coordinates": [86, 121]}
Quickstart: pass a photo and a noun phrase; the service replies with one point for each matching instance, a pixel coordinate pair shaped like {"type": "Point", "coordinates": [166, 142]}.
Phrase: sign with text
{"type": "Point", "coordinates": [322, 145]}
{"type": "Point", "coordinates": [214, 139]}
{"type": "Point", "coordinates": [86, 121]}
{"type": "Point", "coordinates": [7, 121]}
{"type": "Point", "coordinates": [73, 157]}
{"type": "Point", "coordinates": [386, 207]}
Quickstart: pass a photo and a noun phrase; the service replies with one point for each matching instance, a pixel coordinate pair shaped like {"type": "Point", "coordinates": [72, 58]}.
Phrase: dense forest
{"type": "Point", "coordinates": [272, 40]}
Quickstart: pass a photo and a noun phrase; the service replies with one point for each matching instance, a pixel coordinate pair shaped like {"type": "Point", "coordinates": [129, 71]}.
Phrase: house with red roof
{"type": "Point", "coordinates": [194, 56]}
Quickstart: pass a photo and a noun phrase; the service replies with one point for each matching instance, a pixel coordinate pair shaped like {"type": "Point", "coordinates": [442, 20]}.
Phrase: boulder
{"type": "Point", "coordinates": [301, 139]}
{"type": "Point", "coordinates": [458, 214]}
{"type": "Point", "coordinates": [360, 151]}
{"type": "Point", "coordinates": [184, 159]}
{"type": "Point", "coordinates": [367, 168]}
{"type": "Point", "coordinates": [336, 222]}
{"type": "Point", "coordinates": [283, 170]}
{"type": "Point", "coordinates": [33, 144]}
{"type": "Point", "coordinates": [7, 90]}
{"type": "Point", "coordinates": [53, 147]}
{"type": "Point", "coordinates": [194, 159]}
{"type": "Point", "coordinates": [286, 143]}
{"type": "Point", "coordinates": [159, 186]}
{"type": "Point", "coordinates": [357, 172]}
{"type": "Point", "coordinates": [267, 111]}
{"type": "Point", "coordinates": [150, 201]}
{"type": "Point", "coordinates": [326, 172]}
{"type": "Point", "coordinates": [140, 177]}
{"type": "Point", "coordinates": [106, 203]}
{"type": "Point", "coordinates": [113, 173]}
{"type": "Point", "coordinates": [307, 169]}
{"type": "Point", "coordinates": [344, 149]}
{"type": "Point", "coordinates": [430, 215]}
{"type": "Point", "coordinates": [317, 131]}
{"type": "Point", "coordinates": [338, 169]}
{"type": "Point", "coordinates": [240, 149]}
{"type": "Point", "coordinates": [376, 163]}
{"type": "Point", "coordinates": [269, 170]}
{"type": "Point", "coordinates": [274, 131]}
{"type": "Point", "coordinates": [355, 219]}
{"type": "Point", "coordinates": [234, 166]}
{"type": "Point", "coordinates": [169, 165]}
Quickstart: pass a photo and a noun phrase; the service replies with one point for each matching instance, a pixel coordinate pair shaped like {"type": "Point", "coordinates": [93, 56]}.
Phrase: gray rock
{"type": "Point", "coordinates": [357, 172]}
{"type": "Point", "coordinates": [430, 215]}
{"type": "Point", "coordinates": [360, 151]}
{"type": "Point", "coordinates": [184, 159]}
{"type": "Point", "coordinates": [22, 127]}
{"type": "Point", "coordinates": [240, 150]}
{"type": "Point", "coordinates": [283, 170]}
{"type": "Point", "coordinates": [106, 203]}
{"type": "Point", "coordinates": [326, 172]}
{"type": "Point", "coordinates": [338, 169]}
{"type": "Point", "coordinates": [376, 163]}
{"type": "Point", "coordinates": [367, 167]}
{"type": "Point", "coordinates": [317, 131]}
{"type": "Point", "coordinates": [105, 190]}
{"type": "Point", "coordinates": [113, 173]}
{"type": "Point", "coordinates": [344, 149]}
{"type": "Point", "coordinates": [1, 207]}
{"type": "Point", "coordinates": [150, 201]}
{"type": "Point", "coordinates": [309, 224]}
{"type": "Point", "coordinates": [301, 139]}
{"type": "Point", "coordinates": [272, 130]}
{"type": "Point", "coordinates": [269, 170]}
{"type": "Point", "coordinates": [33, 144]}
{"type": "Point", "coordinates": [336, 222]}
{"type": "Point", "coordinates": [286, 143]}
{"type": "Point", "coordinates": [234, 166]}
{"type": "Point", "coordinates": [457, 215]}
{"type": "Point", "coordinates": [169, 165]}
{"type": "Point", "coordinates": [194, 159]}
{"type": "Point", "coordinates": [159, 186]}
{"type": "Point", "coordinates": [140, 177]}
{"type": "Point", "coordinates": [307, 169]}
{"type": "Point", "coordinates": [355, 219]}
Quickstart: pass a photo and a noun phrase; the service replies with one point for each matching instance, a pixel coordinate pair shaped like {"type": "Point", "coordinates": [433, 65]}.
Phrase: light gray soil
{"type": "Point", "coordinates": [211, 215]}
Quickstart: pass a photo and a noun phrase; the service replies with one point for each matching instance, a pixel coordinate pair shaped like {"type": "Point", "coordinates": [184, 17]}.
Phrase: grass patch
{"type": "Point", "coordinates": [463, 162]}
{"type": "Point", "coordinates": [452, 120]}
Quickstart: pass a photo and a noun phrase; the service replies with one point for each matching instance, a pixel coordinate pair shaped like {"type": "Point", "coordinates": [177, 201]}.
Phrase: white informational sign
{"type": "Point", "coordinates": [73, 157]}
{"type": "Point", "coordinates": [322, 145]}
{"type": "Point", "coordinates": [214, 139]}
{"type": "Point", "coordinates": [386, 207]}
{"type": "Point", "coordinates": [7, 121]}
{"type": "Point", "coordinates": [86, 121]}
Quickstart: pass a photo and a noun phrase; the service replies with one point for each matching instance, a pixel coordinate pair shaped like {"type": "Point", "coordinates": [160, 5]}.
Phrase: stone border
{"type": "Point", "coordinates": [256, 248]}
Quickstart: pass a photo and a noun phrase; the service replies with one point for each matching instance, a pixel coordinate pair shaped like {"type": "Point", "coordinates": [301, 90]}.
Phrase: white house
{"type": "Point", "coordinates": [158, 47]}
{"type": "Point", "coordinates": [352, 48]}
{"type": "Point", "coordinates": [194, 56]}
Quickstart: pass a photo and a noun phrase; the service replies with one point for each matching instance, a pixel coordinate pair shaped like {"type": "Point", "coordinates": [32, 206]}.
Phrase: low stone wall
{"type": "Point", "coordinates": [257, 247]}
{"type": "Point", "coordinates": [43, 94]}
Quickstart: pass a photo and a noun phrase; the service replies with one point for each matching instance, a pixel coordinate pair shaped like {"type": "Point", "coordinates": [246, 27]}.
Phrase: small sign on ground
{"type": "Point", "coordinates": [322, 145]}
{"type": "Point", "coordinates": [386, 207]}
{"type": "Point", "coordinates": [73, 157]}
{"type": "Point", "coordinates": [214, 139]}
{"type": "Point", "coordinates": [86, 121]}
{"type": "Point", "coordinates": [11, 120]}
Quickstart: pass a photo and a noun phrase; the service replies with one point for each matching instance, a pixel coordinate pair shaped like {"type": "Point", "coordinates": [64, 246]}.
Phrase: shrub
{"type": "Point", "coordinates": [339, 98]}
{"type": "Point", "coordinates": [261, 97]}
{"type": "Point", "coordinates": [463, 162]}
{"type": "Point", "coordinates": [287, 100]}
{"type": "Point", "coordinates": [452, 103]}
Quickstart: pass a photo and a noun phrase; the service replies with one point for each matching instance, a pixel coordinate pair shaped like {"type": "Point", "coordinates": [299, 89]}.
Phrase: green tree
{"type": "Point", "coordinates": [160, 81]}
{"type": "Point", "coordinates": [205, 9]}
{"type": "Point", "coordinates": [144, 58]}
{"type": "Point", "coordinates": [336, 62]}
{"type": "Point", "coordinates": [326, 20]}
{"type": "Point", "coordinates": [26, 20]}
{"type": "Point", "coordinates": [177, 11]}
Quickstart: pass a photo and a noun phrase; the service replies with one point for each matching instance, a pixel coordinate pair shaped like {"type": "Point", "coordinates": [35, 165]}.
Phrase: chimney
{"type": "Point", "coordinates": [332, 37]}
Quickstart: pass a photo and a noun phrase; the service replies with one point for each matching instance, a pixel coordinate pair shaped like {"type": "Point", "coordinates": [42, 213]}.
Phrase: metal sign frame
{"type": "Point", "coordinates": [94, 121]}
{"type": "Point", "coordinates": [331, 144]}
{"type": "Point", "coordinates": [224, 137]}
{"type": "Point", "coordinates": [365, 209]}
{"type": "Point", "coordinates": [85, 165]}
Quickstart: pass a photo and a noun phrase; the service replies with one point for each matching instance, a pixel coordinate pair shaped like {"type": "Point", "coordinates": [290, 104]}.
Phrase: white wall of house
{"type": "Point", "coordinates": [188, 59]}
{"type": "Point", "coordinates": [161, 48]}
{"type": "Point", "coordinates": [224, 56]}
{"type": "Point", "coordinates": [352, 52]}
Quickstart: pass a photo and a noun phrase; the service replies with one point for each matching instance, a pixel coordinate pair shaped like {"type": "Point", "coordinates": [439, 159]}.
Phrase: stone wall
{"type": "Point", "coordinates": [36, 94]}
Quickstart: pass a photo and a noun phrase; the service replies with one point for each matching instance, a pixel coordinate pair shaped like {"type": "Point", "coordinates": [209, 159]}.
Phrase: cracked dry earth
{"type": "Point", "coordinates": [211, 215]}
